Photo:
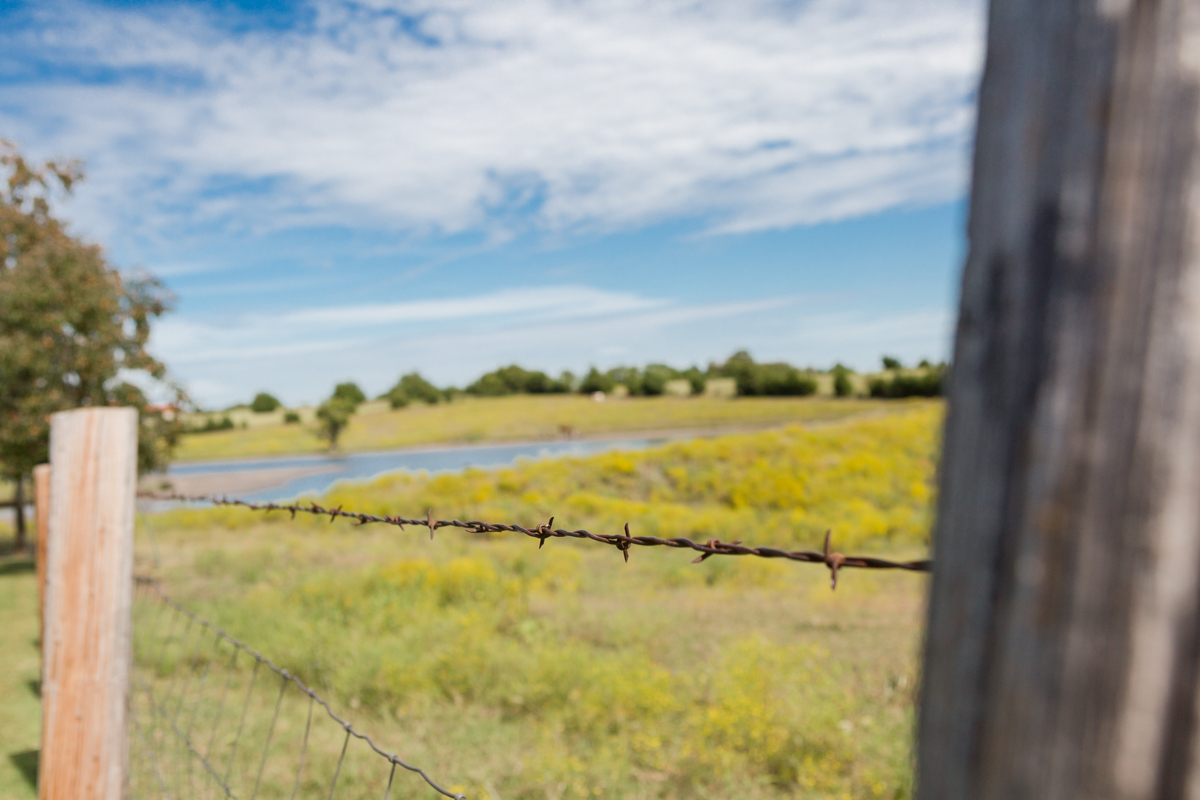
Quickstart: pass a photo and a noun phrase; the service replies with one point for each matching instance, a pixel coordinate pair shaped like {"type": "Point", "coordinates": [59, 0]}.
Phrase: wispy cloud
{"type": "Point", "coordinates": [476, 115]}
{"type": "Point", "coordinates": [269, 334]}
{"type": "Point", "coordinates": [543, 302]}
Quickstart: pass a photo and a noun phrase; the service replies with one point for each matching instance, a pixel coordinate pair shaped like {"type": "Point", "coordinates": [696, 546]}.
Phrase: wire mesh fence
{"type": "Point", "coordinates": [209, 718]}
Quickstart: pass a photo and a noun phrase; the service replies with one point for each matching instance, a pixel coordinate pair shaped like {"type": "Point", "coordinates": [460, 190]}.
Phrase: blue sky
{"type": "Point", "coordinates": [350, 190]}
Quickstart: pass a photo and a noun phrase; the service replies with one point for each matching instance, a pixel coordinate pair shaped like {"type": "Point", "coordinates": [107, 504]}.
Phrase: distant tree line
{"type": "Point", "coordinates": [749, 378]}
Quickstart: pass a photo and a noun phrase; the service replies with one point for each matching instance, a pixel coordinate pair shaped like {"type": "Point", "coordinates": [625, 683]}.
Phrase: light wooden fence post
{"type": "Point", "coordinates": [41, 501]}
{"type": "Point", "coordinates": [86, 647]}
{"type": "Point", "coordinates": [1063, 647]}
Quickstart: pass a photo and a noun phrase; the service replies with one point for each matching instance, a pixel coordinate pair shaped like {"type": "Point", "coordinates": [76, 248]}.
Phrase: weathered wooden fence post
{"type": "Point", "coordinates": [1063, 648]}
{"type": "Point", "coordinates": [41, 501]}
{"type": "Point", "coordinates": [86, 645]}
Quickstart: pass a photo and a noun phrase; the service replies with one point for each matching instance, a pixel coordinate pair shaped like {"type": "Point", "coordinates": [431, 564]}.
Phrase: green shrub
{"type": "Point", "coordinates": [696, 378]}
{"type": "Point", "coordinates": [842, 387]}
{"type": "Point", "coordinates": [212, 424]}
{"type": "Point", "coordinates": [291, 418]}
{"type": "Point", "coordinates": [785, 380]}
{"type": "Point", "coordinates": [264, 403]}
{"type": "Point", "coordinates": [890, 362]}
{"type": "Point", "coordinates": [924, 383]}
{"type": "Point", "coordinates": [332, 418]}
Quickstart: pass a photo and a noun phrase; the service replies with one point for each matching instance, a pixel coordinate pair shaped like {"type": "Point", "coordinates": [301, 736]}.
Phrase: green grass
{"type": "Point", "coordinates": [523, 417]}
{"type": "Point", "coordinates": [20, 713]}
{"type": "Point", "coordinates": [509, 671]}
{"type": "Point", "coordinates": [583, 677]}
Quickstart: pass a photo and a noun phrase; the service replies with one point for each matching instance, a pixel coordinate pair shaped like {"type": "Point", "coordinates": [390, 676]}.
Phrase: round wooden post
{"type": "Point", "coordinates": [86, 647]}
{"type": "Point", "coordinates": [41, 499]}
{"type": "Point", "coordinates": [1063, 649]}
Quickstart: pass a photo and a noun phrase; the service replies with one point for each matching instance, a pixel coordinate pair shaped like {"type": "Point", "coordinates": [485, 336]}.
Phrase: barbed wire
{"type": "Point", "coordinates": [712, 547]}
{"type": "Point", "coordinates": [286, 679]}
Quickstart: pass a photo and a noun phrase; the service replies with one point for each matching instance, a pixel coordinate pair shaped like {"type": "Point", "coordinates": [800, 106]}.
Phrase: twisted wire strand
{"type": "Point", "coordinates": [713, 547]}
{"type": "Point", "coordinates": [286, 676]}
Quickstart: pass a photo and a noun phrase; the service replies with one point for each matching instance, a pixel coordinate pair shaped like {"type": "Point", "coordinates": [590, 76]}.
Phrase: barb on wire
{"type": "Point", "coordinates": [286, 677]}
{"type": "Point", "coordinates": [622, 542]}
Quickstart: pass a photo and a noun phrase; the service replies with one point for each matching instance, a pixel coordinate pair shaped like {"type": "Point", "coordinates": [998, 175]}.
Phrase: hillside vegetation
{"type": "Point", "coordinates": [514, 672]}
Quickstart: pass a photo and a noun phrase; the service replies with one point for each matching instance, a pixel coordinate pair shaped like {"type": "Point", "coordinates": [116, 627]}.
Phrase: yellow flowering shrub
{"type": "Point", "coordinates": [604, 679]}
{"type": "Point", "coordinates": [866, 480]}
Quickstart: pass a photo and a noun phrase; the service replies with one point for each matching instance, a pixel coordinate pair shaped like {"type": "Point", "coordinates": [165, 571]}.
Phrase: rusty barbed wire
{"type": "Point", "coordinates": [712, 547]}
{"type": "Point", "coordinates": [286, 678]}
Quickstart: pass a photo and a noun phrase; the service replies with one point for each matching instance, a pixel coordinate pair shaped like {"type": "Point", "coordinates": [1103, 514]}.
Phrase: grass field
{"type": "Point", "coordinates": [520, 417]}
{"type": "Point", "coordinates": [20, 721]}
{"type": "Point", "coordinates": [512, 672]}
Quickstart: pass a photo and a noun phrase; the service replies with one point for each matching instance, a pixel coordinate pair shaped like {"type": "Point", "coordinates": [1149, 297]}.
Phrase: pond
{"type": "Point", "coordinates": [287, 477]}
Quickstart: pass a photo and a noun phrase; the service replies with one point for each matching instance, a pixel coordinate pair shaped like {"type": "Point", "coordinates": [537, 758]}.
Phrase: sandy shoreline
{"type": "Point", "coordinates": [262, 477]}
{"type": "Point", "coordinates": [232, 482]}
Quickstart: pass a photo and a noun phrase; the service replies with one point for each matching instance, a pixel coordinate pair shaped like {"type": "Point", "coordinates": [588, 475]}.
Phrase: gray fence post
{"type": "Point", "coordinates": [1063, 648]}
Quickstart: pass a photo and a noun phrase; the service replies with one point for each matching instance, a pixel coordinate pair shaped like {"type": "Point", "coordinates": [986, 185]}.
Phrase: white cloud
{"type": "Point", "coordinates": [596, 113]}
{"type": "Point", "coordinates": [261, 335]}
{"type": "Point", "coordinates": [551, 301]}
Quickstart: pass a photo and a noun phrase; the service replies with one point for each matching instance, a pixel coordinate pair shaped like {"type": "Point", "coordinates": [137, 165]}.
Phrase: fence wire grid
{"type": "Point", "coordinates": [622, 542]}
{"type": "Point", "coordinates": [210, 717]}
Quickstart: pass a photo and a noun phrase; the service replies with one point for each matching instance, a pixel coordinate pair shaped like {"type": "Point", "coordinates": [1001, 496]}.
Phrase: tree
{"type": "Point", "coordinates": [778, 379]}
{"type": "Point", "coordinates": [889, 362]}
{"type": "Point", "coordinates": [515, 380]}
{"type": "Point", "coordinates": [595, 381]}
{"type": "Point", "coordinates": [413, 387]}
{"type": "Point", "coordinates": [71, 326]}
{"type": "Point", "coordinates": [928, 383]}
{"type": "Point", "coordinates": [655, 377]}
{"type": "Point", "coordinates": [332, 418]}
{"type": "Point", "coordinates": [842, 387]}
{"type": "Point", "coordinates": [741, 367]}
{"type": "Point", "coordinates": [696, 378]}
{"type": "Point", "coordinates": [349, 392]}
{"type": "Point", "coordinates": [264, 403]}
{"type": "Point", "coordinates": [629, 377]}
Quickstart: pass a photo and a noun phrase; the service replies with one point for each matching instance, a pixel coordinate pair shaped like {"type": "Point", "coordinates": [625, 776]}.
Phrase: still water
{"type": "Point", "coordinates": [364, 466]}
